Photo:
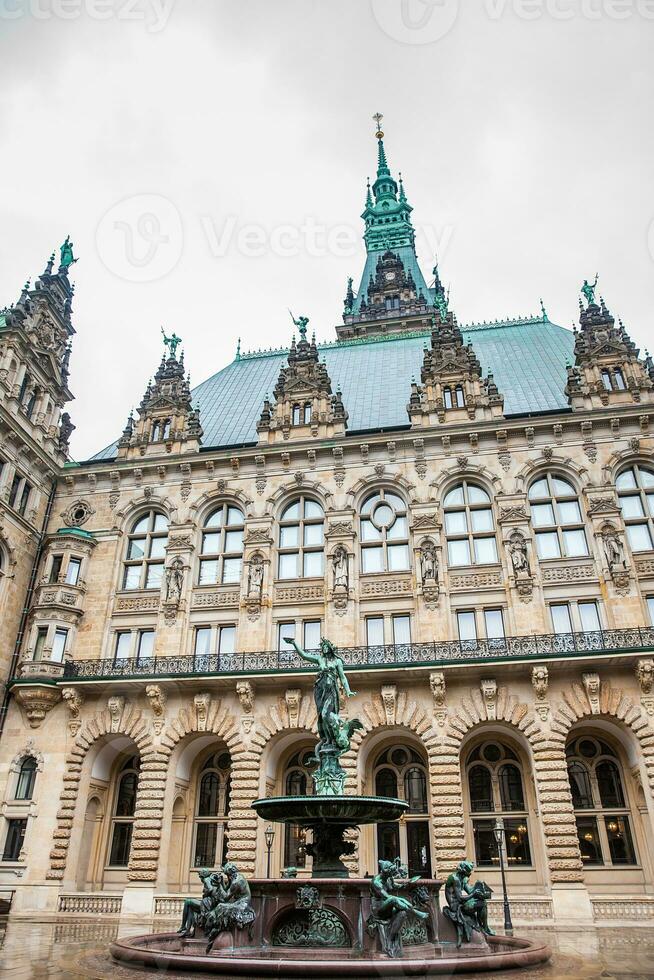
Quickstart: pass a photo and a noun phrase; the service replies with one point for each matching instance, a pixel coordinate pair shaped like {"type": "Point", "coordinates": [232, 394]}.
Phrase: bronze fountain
{"type": "Point", "coordinates": [331, 924]}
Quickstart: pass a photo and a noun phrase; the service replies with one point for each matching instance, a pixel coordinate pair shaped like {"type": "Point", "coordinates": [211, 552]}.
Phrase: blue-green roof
{"type": "Point", "coordinates": [410, 262]}
{"type": "Point", "coordinates": [527, 357]}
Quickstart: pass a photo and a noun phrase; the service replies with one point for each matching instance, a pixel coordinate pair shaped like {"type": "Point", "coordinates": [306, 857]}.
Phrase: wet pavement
{"type": "Point", "coordinates": [78, 948]}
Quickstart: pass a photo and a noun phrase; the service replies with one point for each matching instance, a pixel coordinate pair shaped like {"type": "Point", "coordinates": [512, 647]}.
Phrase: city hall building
{"type": "Point", "coordinates": [466, 511]}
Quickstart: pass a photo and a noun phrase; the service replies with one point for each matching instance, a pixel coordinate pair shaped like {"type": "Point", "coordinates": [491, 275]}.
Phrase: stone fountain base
{"type": "Point", "coordinates": [317, 928]}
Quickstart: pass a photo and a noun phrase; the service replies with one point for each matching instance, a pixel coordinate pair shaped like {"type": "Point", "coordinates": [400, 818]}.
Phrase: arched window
{"type": "Point", "coordinates": [146, 550]}
{"type": "Point", "coordinates": [495, 785]}
{"type": "Point", "coordinates": [602, 813]}
{"type": "Point", "coordinates": [123, 812]}
{"type": "Point", "coordinates": [26, 778]}
{"type": "Point", "coordinates": [557, 518]}
{"type": "Point", "coordinates": [469, 526]}
{"type": "Point", "coordinates": [212, 811]}
{"type": "Point", "coordinates": [384, 533]}
{"type": "Point", "coordinates": [298, 781]}
{"type": "Point", "coordinates": [301, 540]}
{"type": "Point", "coordinates": [401, 773]}
{"type": "Point", "coordinates": [222, 546]}
{"type": "Point", "coordinates": [636, 497]}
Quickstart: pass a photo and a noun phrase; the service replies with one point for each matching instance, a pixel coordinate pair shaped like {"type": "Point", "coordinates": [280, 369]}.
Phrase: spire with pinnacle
{"type": "Point", "coordinates": [607, 369]}
{"type": "Point", "coordinates": [304, 405]}
{"type": "Point", "coordinates": [167, 420]}
{"type": "Point", "coordinates": [389, 237]}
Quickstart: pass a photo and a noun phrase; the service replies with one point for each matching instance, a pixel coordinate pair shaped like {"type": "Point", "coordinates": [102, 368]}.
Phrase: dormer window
{"type": "Point", "coordinates": [160, 431]}
{"type": "Point", "coordinates": [456, 398]}
{"type": "Point", "coordinates": [613, 380]}
{"type": "Point", "coordinates": [392, 302]}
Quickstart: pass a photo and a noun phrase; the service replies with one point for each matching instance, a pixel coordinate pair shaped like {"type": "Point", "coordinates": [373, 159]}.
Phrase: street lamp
{"type": "Point", "coordinates": [499, 833]}
{"type": "Point", "coordinates": [269, 834]}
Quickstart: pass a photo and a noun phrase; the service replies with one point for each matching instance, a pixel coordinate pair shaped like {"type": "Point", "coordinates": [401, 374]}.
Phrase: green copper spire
{"type": "Point", "coordinates": [387, 217]}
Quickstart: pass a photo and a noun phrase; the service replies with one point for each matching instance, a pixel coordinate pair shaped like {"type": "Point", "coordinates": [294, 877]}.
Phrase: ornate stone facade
{"type": "Point", "coordinates": [176, 575]}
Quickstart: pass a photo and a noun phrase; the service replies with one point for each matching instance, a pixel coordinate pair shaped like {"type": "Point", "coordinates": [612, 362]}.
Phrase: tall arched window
{"type": "Point", "coordinates": [301, 540]}
{"type": "Point", "coordinates": [557, 518]}
{"type": "Point", "coordinates": [298, 781]}
{"type": "Point", "coordinates": [602, 812]}
{"type": "Point", "coordinates": [212, 811]}
{"type": "Point", "coordinates": [146, 551]}
{"type": "Point", "coordinates": [384, 533]}
{"type": "Point", "coordinates": [123, 812]}
{"type": "Point", "coordinates": [495, 785]}
{"type": "Point", "coordinates": [222, 546]}
{"type": "Point", "coordinates": [302, 414]}
{"type": "Point", "coordinates": [400, 773]}
{"type": "Point", "coordinates": [636, 496]}
{"type": "Point", "coordinates": [469, 526]}
{"type": "Point", "coordinates": [26, 778]}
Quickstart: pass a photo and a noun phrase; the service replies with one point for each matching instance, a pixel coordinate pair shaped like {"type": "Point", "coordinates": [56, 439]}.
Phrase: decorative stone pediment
{"type": "Point", "coordinates": [36, 700]}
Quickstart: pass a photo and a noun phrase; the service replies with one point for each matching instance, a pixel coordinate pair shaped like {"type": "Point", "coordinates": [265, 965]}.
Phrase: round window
{"type": "Point", "coordinates": [587, 748]}
{"type": "Point", "coordinates": [224, 761]}
{"type": "Point", "coordinates": [399, 757]}
{"type": "Point", "coordinates": [383, 516]}
{"type": "Point", "coordinates": [492, 753]}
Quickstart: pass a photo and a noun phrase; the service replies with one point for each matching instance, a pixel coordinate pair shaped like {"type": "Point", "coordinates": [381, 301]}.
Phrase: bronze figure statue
{"type": "Point", "coordinates": [389, 911]}
{"type": "Point", "coordinates": [226, 903]}
{"type": "Point", "coordinates": [467, 907]}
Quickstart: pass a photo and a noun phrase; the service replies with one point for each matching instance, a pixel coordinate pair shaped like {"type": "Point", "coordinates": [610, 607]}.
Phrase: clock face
{"type": "Point", "coordinates": [390, 276]}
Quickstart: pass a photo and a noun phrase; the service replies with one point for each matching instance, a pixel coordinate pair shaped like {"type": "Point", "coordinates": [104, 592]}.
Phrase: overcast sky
{"type": "Point", "coordinates": [209, 157]}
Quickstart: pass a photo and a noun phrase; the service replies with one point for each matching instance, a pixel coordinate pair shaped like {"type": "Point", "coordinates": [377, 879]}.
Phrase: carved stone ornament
{"type": "Point", "coordinates": [36, 701]}
{"type": "Point", "coordinates": [174, 586]}
{"type": "Point", "coordinates": [616, 558]}
{"type": "Point", "coordinates": [202, 702]}
{"type": "Point", "coordinates": [157, 698]}
{"type": "Point", "coordinates": [73, 701]}
{"type": "Point", "coordinates": [293, 699]}
{"type": "Point", "coordinates": [255, 573]}
{"type": "Point", "coordinates": [509, 515]}
{"type": "Point", "coordinates": [592, 685]}
{"type": "Point", "coordinates": [438, 690]}
{"type": "Point", "coordinates": [341, 578]}
{"type": "Point", "coordinates": [77, 514]}
{"type": "Point", "coordinates": [389, 701]}
{"type": "Point", "coordinates": [645, 678]}
{"type": "Point", "coordinates": [116, 705]}
{"type": "Point", "coordinates": [540, 680]}
{"type": "Point", "coordinates": [245, 695]}
{"type": "Point", "coordinates": [489, 694]}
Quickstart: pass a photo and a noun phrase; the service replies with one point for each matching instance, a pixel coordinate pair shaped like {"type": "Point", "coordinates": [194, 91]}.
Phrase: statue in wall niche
{"type": "Point", "coordinates": [226, 904]}
{"type": "Point", "coordinates": [335, 733]}
{"type": "Point", "coordinates": [340, 569]}
{"type": "Point", "coordinates": [174, 580]}
{"type": "Point", "coordinates": [519, 555]}
{"type": "Point", "coordinates": [428, 563]}
{"type": "Point", "coordinates": [255, 575]}
{"type": "Point", "coordinates": [614, 549]}
{"type": "Point", "coordinates": [467, 907]}
{"type": "Point", "coordinates": [389, 911]}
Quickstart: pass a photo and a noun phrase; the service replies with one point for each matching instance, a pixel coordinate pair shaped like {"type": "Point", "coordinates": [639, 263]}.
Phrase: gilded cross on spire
{"type": "Point", "coordinates": [378, 116]}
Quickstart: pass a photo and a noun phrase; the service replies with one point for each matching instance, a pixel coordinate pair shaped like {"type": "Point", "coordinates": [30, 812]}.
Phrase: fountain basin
{"type": "Point", "coordinates": [347, 810]}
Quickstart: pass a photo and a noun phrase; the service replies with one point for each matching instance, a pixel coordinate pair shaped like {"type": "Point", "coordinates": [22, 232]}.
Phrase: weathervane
{"type": "Point", "coordinates": [378, 116]}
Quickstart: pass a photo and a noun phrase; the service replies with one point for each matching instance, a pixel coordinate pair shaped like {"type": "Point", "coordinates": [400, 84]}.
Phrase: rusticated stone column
{"type": "Point", "coordinates": [447, 809]}
{"type": "Point", "coordinates": [556, 813]}
{"type": "Point", "coordinates": [148, 817]}
{"type": "Point", "coordinates": [242, 823]}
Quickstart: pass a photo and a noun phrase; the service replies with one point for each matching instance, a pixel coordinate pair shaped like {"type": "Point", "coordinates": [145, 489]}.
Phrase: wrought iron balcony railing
{"type": "Point", "coordinates": [553, 645]}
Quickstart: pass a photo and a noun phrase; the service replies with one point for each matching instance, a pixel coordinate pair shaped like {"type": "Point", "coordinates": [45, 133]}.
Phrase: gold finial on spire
{"type": "Point", "coordinates": [378, 116]}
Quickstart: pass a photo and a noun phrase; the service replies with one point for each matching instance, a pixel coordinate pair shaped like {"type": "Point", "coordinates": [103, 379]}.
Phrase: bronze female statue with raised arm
{"type": "Point", "coordinates": [335, 734]}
